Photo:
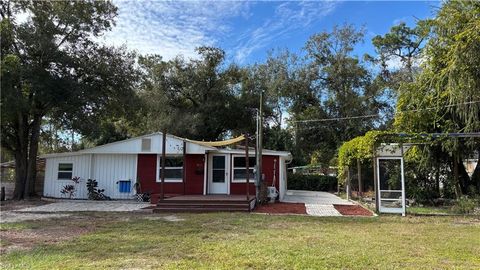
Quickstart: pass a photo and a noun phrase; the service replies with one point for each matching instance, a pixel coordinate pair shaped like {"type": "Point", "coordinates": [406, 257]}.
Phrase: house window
{"type": "Point", "coordinates": [239, 169]}
{"type": "Point", "coordinates": [65, 171]}
{"type": "Point", "coordinates": [173, 169]}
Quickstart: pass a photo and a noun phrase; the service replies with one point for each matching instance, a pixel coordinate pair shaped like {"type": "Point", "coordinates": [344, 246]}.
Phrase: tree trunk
{"type": "Point", "coordinates": [32, 156]}
{"type": "Point", "coordinates": [476, 176]}
{"type": "Point", "coordinates": [456, 181]}
{"type": "Point", "coordinates": [21, 158]}
{"type": "Point", "coordinates": [20, 174]}
{"type": "Point", "coordinates": [26, 156]}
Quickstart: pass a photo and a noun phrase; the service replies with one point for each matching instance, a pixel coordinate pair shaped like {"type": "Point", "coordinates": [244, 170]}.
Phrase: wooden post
{"type": "Point", "coordinates": [349, 186]}
{"type": "Point", "coordinates": [359, 173]}
{"type": "Point", "coordinates": [458, 190]}
{"type": "Point", "coordinates": [247, 177]}
{"type": "Point", "coordinates": [162, 174]}
{"type": "Point", "coordinates": [184, 166]}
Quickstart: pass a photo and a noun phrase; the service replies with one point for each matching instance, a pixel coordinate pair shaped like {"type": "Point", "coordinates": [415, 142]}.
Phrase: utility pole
{"type": "Point", "coordinates": [259, 145]}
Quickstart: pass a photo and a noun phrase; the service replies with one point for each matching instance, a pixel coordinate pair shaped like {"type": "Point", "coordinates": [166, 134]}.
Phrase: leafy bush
{"type": "Point", "coordinates": [94, 193]}
{"type": "Point", "coordinates": [464, 205]}
{"type": "Point", "coordinates": [70, 190]}
{"type": "Point", "coordinates": [312, 182]}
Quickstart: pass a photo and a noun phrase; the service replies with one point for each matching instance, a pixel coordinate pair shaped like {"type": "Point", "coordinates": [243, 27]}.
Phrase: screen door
{"type": "Point", "coordinates": [391, 185]}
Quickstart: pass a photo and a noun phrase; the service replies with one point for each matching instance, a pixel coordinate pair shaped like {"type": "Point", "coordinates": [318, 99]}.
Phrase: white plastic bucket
{"type": "Point", "coordinates": [272, 194]}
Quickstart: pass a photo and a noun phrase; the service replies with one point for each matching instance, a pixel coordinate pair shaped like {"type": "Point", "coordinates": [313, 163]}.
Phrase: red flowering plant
{"type": "Point", "coordinates": [69, 190]}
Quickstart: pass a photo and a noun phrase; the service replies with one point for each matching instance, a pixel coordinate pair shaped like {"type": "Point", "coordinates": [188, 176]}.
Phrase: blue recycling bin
{"type": "Point", "coordinates": [124, 186]}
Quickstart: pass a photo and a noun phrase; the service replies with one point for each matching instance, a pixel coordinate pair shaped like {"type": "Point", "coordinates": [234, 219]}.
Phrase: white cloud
{"type": "Point", "coordinates": [178, 27]}
{"type": "Point", "coordinates": [396, 63]}
{"type": "Point", "coordinates": [172, 28]}
{"type": "Point", "coordinates": [400, 20]}
{"type": "Point", "coordinates": [288, 18]}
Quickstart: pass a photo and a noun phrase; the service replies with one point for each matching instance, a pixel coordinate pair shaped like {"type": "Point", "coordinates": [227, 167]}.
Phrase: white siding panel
{"type": "Point", "coordinates": [283, 178]}
{"type": "Point", "coordinates": [110, 169]}
{"type": "Point", "coordinates": [53, 186]}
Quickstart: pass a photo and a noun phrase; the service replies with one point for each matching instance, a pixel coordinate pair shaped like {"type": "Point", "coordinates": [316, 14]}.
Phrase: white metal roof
{"type": "Point", "coordinates": [174, 146]}
{"type": "Point", "coordinates": [133, 146]}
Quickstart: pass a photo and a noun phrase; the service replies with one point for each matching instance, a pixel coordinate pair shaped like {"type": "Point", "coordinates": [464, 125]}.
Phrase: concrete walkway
{"type": "Point", "coordinates": [317, 203]}
{"type": "Point", "coordinates": [88, 206]}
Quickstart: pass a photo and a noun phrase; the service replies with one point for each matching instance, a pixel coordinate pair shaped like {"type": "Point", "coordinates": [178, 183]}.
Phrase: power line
{"type": "Point", "coordinates": [377, 115]}
{"type": "Point", "coordinates": [336, 119]}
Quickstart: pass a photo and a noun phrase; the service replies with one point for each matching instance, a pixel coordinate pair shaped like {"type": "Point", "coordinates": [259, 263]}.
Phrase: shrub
{"type": "Point", "coordinates": [464, 205]}
{"type": "Point", "coordinates": [70, 190]}
{"type": "Point", "coordinates": [312, 182]}
{"type": "Point", "coordinates": [94, 193]}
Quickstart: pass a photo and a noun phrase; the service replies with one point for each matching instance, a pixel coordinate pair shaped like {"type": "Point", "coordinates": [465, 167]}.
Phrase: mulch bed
{"type": "Point", "coordinates": [282, 208]}
{"type": "Point", "coordinates": [352, 210]}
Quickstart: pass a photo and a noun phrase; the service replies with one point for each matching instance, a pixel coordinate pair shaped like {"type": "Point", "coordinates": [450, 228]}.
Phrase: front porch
{"type": "Point", "coordinates": [206, 203]}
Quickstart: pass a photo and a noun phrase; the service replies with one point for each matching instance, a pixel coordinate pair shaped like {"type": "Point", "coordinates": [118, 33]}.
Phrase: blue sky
{"type": "Point", "coordinates": [248, 30]}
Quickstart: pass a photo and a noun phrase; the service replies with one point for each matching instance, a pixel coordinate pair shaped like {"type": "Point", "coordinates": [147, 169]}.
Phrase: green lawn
{"type": "Point", "coordinates": [425, 210]}
{"type": "Point", "coordinates": [228, 240]}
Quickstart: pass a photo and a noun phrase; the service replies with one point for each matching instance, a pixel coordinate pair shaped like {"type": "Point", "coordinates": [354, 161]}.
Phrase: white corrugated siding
{"type": "Point", "coordinates": [107, 169]}
{"type": "Point", "coordinates": [53, 186]}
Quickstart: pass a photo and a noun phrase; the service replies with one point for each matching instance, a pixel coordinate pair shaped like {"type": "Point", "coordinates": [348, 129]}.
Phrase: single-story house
{"type": "Point", "coordinates": [191, 168]}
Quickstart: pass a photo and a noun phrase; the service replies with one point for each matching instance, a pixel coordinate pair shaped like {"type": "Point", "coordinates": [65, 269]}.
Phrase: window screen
{"type": "Point", "coordinates": [240, 167]}
{"type": "Point", "coordinates": [173, 168]}
{"type": "Point", "coordinates": [65, 171]}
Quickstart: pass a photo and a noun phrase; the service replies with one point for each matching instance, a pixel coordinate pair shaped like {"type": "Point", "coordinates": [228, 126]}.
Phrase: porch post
{"type": "Point", "coordinates": [162, 173]}
{"type": "Point", "coordinates": [184, 166]}
{"type": "Point", "coordinates": [359, 175]}
{"type": "Point", "coordinates": [247, 177]}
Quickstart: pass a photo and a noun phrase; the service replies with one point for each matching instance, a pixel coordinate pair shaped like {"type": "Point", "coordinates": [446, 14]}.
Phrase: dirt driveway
{"type": "Point", "coordinates": [27, 224]}
{"type": "Point", "coordinates": [36, 210]}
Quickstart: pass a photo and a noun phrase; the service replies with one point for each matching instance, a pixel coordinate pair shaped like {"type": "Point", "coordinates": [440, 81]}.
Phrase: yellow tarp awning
{"type": "Point", "coordinates": [221, 143]}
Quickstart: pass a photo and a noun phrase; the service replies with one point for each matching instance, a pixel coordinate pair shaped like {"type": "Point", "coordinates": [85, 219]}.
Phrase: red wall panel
{"type": "Point", "coordinates": [147, 171]}
{"type": "Point", "coordinates": [268, 163]}
{"type": "Point", "coordinates": [194, 171]}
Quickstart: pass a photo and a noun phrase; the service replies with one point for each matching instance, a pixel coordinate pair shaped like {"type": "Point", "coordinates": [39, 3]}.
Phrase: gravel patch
{"type": "Point", "coordinates": [12, 216]}
{"type": "Point", "coordinates": [88, 206]}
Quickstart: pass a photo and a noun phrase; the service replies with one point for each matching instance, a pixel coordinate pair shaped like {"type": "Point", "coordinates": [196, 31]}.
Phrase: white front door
{"type": "Point", "coordinates": [218, 174]}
